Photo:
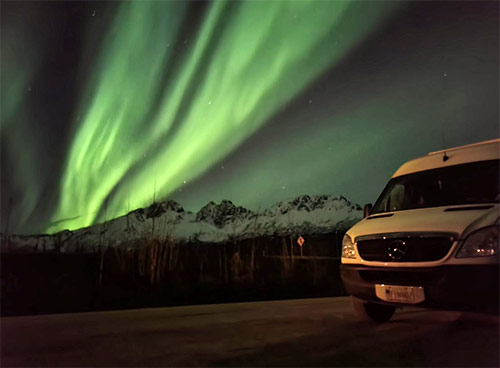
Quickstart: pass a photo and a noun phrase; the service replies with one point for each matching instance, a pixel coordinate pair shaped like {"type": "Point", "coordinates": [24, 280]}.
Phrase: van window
{"type": "Point", "coordinates": [395, 199]}
{"type": "Point", "coordinates": [471, 183]}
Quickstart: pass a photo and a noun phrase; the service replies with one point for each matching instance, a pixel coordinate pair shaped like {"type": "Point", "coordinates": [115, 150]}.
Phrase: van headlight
{"type": "Point", "coordinates": [482, 242]}
{"type": "Point", "coordinates": [348, 250]}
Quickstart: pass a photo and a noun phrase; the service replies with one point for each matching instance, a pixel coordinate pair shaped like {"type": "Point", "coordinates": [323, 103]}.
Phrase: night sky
{"type": "Point", "coordinates": [107, 106]}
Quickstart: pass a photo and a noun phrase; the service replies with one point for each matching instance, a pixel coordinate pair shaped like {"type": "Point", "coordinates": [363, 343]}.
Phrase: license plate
{"type": "Point", "coordinates": [400, 294]}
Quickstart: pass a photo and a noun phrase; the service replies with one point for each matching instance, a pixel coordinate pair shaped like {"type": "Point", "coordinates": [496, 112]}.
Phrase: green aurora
{"type": "Point", "coordinates": [142, 137]}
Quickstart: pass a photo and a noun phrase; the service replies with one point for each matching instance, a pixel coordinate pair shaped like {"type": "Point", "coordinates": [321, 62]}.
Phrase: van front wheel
{"type": "Point", "coordinates": [372, 311]}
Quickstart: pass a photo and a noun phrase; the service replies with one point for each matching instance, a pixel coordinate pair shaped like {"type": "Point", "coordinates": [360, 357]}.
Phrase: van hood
{"type": "Point", "coordinates": [461, 220]}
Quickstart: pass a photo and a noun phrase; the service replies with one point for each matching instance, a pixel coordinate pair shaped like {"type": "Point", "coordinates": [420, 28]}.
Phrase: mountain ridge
{"type": "Point", "coordinates": [213, 223]}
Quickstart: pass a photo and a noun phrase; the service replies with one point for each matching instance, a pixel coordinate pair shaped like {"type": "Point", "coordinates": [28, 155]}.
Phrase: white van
{"type": "Point", "coordinates": [431, 239]}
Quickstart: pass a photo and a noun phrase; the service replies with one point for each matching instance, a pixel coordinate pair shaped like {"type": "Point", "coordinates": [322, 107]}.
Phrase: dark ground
{"type": "Point", "coordinates": [306, 332]}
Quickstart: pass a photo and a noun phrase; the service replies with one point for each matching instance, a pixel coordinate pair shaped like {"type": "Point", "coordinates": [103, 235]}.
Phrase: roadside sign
{"type": "Point", "coordinates": [300, 241]}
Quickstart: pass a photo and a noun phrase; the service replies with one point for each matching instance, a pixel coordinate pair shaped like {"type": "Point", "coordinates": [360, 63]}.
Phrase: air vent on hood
{"type": "Point", "coordinates": [380, 216]}
{"type": "Point", "coordinates": [468, 208]}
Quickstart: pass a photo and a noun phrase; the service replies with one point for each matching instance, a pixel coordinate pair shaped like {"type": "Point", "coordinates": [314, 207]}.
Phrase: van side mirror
{"type": "Point", "coordinates": [368, 208]}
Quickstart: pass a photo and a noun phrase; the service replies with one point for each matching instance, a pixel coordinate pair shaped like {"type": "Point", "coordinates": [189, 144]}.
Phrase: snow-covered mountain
{"type": "Point", "coordinates": [214, 222]}
{"type": "Point", "coordinates": [223, 214]}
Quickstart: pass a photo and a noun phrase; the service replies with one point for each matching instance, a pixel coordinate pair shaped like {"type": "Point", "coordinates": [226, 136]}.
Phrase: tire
{"type": "Point", "coordinates": [372, 311]}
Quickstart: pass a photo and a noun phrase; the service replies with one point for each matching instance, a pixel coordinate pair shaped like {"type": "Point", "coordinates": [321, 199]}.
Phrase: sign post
{"type": "Point", "coordinates": [300, 242]}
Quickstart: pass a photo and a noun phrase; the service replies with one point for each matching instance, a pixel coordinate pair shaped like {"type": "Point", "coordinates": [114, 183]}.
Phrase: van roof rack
{"type": "Point", "coordinates": [496, 140]}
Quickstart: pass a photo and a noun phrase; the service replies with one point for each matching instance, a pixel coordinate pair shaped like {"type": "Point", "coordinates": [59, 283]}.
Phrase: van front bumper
{"type": "Point", "coordinates": [461, 287]}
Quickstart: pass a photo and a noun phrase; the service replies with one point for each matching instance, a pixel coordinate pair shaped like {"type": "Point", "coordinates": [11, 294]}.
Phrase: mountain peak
{"type": "Point", "coordinates": [221, 214]}
{"type": "Point", "coordinates": [159, 208]}
{"type": "Point", "coordinates": [310, 203]}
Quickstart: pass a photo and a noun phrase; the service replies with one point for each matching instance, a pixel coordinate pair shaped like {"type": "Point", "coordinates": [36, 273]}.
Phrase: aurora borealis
{"type": "Point", "coordinates": [109, 106]}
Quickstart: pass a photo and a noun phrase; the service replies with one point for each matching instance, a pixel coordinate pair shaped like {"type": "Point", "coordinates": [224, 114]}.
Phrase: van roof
{"type": "Point", "coordinates": [481, 151]}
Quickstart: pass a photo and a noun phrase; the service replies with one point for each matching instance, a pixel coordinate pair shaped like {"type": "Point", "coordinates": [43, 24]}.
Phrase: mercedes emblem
{"type": "Point", "coordinates": [397, 250]}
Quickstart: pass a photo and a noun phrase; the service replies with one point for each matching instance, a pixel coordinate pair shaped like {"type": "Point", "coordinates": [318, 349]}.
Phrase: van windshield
{"type": "Point", "coordinates": [471, 183]}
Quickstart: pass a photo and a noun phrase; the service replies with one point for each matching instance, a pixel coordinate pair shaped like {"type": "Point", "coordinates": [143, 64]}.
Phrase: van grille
{"type": "Point", "coordinates": [405, 248]}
